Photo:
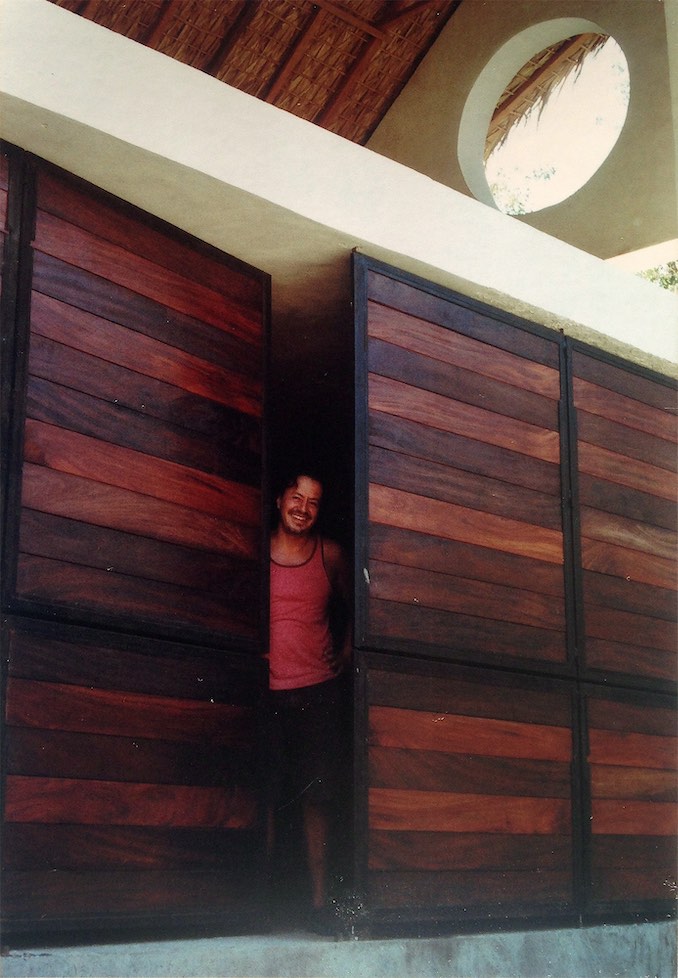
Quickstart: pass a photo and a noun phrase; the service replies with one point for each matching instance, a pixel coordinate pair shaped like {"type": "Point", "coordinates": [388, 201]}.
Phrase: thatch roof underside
{"type": "Point", "coordinates": [338, 63]}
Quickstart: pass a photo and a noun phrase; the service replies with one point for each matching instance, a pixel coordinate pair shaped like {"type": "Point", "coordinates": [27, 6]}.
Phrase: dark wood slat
{"type": "Point", "coordinates": [174, 289]}
{"type": "Point", "coordinates": [460, 634]}
{"type": "Point", "coordinates": [445, 311]}
{"type": "Point", "coordinates": [437, 811]}
{"type": "Point", "coordinates": [61, 199]}
{"type": "Point", "coordinates": [625, 410]}
{"type": "Point", "coordinates": [631, 660]}
{"type": "Point", "coordinates": [624, 501]}
{"type": "Point", "coordinates": [57, 706]}
{"type": "Point", "coordinates": [232, 431]}
{"type": "Point", "coordinates": [236, 582]}
{"type": "Point", "coordinates": [622, 626]}
{"type": "Point", "coordinates": [62, 754]}
{"type": "Point", "coordinates": [417, 730]}
{"type": "Point", "coordinates": [608, 714]}
{"type": "Point", "coordinates": [630, 749]}
{"type": "Point", "coordinates": [450, 522]}
{"type": "Point", "coordinates": [57, 583]}
{"type": "Point", "coordinates": [412, 549]}
{"type": "Point", "coordinates": [114, 424]}
{"type": "Point", "coordinates": [490, 892]}
{"type": "Point", "coordinates": [625, 381]}
{"type": "Point", "coordinates": [632, 565]}
{"type": "Point", "coordinates": [116, 803]}
{"type": "Point", "coordinates": [82, 455]}
{"type": "Point", "coordinates": [446, 482]}
{"type": "Point", "coordinates": [632, 596]}
{"type": "Point", "coordinates": [416, 586]}
{"type": "Point", "coordinates": [120, 509]}
{"type": "Point", "coordinates": [60, 287]}
{"type": "Point", "coordinates": [146, 355]}
{"type": "Point", "coordinates": [467, 774]}
{"type": "Point", "coordinates": [503, 698]}
{"type": "Point", "coordinates": [619, 438]}
{"type": "Point", "coordinates": [440, 852]}
{"type": "Point", "coordinates": [412, 404]}
{"type": "Point", "coordinates": [623, 532]}
{"type": "Point", "coordinates": [94, 847]}
{"type": "Point", "coordinates": [421, 441]}
{"type": "Point", "coordinates": [629, 817]}
{"type": "Point", "coordinates": [605, 464]}
{"type": "Point", "coordinates": [467, 386]}
{"type": "Point", "coordinates": [634, 784]}
{"type": "Point", "coordinates": [631, 852]}
{"type": "Point", "coordinates": [614, 886]}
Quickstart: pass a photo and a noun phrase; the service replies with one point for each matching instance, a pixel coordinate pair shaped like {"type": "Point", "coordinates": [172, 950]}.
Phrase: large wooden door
{"type": "Point", "coordinates": [134, 593]}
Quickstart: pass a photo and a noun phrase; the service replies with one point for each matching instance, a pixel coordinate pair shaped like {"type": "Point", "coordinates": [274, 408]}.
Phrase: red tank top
{"type": "Point", "coordinates": [300, 640]}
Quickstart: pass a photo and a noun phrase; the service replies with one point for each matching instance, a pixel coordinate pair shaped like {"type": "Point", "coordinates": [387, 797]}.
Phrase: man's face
{"type": "Point", "coordinates": [299, 506]}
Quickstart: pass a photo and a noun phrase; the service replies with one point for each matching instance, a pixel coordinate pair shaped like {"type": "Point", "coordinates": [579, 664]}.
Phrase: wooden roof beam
{"type": "Point", "coordinates": [298, 51]}
{"type": "Point", "coordinates": [242, 21]}
{"type": "Point", "coordinates": [157, 30]}
{"type": "Point", "coordinates": [349, 18]}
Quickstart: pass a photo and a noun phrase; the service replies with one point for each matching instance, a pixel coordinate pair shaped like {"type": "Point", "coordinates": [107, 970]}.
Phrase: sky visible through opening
{"type": "Point", "coordinates": [549, 156]}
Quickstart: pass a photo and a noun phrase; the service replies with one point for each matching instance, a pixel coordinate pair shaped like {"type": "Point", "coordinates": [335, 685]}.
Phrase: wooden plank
{"type": "Point", "coordinates": [633, 596]}
{"type": "Point", "coordinates": [416, 730]}
{"type": "Point", "coordinates": [440, 852]}
{"type": "Point", "coordinates": [605, 464]}
{"type": "Point", "coordinates": [405, 401]}
{"type": "Point", "coordinates": [57, 583]}
{"type": "Point", "coordinates": [154, 358]}
{"type": "Point", "coordinates": [450, 522]}
{"type": "Point", "coordinates": [58, 706]}
{"type": "Point", "coordinates": [624, 501]}
{"type": "Point", "coordinates": [49, 800]}
{"type": "Point", "coordinates": [623, 532]}
{"type": "Point", "coordinates": [624, 381]}
{"type": "Point", "coordinates": [412, 549]}
{"type": "Point", "coordinates": [470, 386]}
{"type": "Point", "coordinates": [490, 892]}
{"type": "Point", "coordinates": [115, 424]}
{"type": "Point", "coordinates": [421, 441]}
{"type": "Point", "coordinates": [614, 886]}
{"type": "Point", "coordinates": [632, 565]}
{"type": "Point", "coordinates": [619, 438]}
{"type": "Point", "coordinates": [116, 264]}
{"type": "Point", "coordinates": [423, 770]}
{"type": "Point", "coordinates": [120, 509]}
{"type": "Point", "coordinates": [634, 784]}
{"type": "Point", "coordinates": [437, 811]}
{"type": "Point", "coordinates": [632, 852]}
{"type": "Point", "coordinates": [460, 634]}
{"type": "Point", "coordinates": [628, 817]}
{"type": "Point", "coordinates": [447, 483]}
{"type": "Point", "coordinates": [409, 585]}
{"type": "Point", "coordinates": [632, 629]}
{"type": "Point", "coordinates": [634, 750]}
{"type": "Point", "coordinates": [631, 659]}
{"type": "Point", "coordinates": [625, 410]}
{"type": "Point", "coordinates": [652, 717]}
{"type": "Point", "coordinates": [446, 310]}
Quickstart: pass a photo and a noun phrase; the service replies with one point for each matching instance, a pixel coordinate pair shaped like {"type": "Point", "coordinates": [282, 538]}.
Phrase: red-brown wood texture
{"type": "Point", "coordinates": [633, 750]}
{"type": "Point", "coordinates": [627, 459]}
{"type": "Point", "coordinates": [141, 485]}
{"type": "Point", "coordinates": [469, 803]}
{"type": "Point", "coordinates": [130, 770]}
{"type": "Point", "coordinates": [464, 524]}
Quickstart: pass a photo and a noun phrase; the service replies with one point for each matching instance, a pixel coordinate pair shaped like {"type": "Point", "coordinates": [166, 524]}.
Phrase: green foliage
{"type": "Point", "coordinates": [665, 276]}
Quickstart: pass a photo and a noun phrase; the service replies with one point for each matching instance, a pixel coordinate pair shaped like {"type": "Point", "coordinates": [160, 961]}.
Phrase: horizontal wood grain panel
{"type": "Point", "coordinates": [594, 430]}
{"type": "Point", "coordinates": [83, 455]}
{"type": "Point", "coordinates": [447, 483]}
{"type": "Point", "coordinates": [75, 288]}
{"type": "Point", "coordinates": [58, 800]}
{"type": "Point", "coordinates": [409, 585]}
{"type": "Point", "coordinates": [633, 852]}
{"type": "Point", "coordinates": [630, 817]}
{"type": "Point", "coordinates": [421, 441]}
{"type": "Point", "coordinates": [117, 425]}
{"type": "Point", "coordinates": [466, 773]}
{"type": "Point", "coordinates": [623, 532]}
{"type": "Point", "coordinates": [154, 358]}
{"type": "Point", "coordinates": [635, 784]}
{"type": "Point", "coordinates": [412, 404]}
{"type": "Point", "coordinates": [631, 659]}
{"type": "Point", "coordinates": [119, 509]}
{"type": "Point", "coordinates": [465, 385]}
{"type": "Point", "coordinates": [58, 706]}
{"type": "Point", "coordinates": [630, 749]}
{"type": "Point", "coordinates": [31, 846]}
{"type": "Point", "coordinates": [409, 548]}
{"type": "Point", "coordinates": [116, 264]}
{"type": "Point", "coordinates": [633, 565]}
{"type": "Point", "coordinates": [99, 757]}
{"type": "Point", "coordinates": [630, 472]}
{"type": "Point", "coordinates": [624, 501]}
{"type": "Point", "coordinates": [394, 507]}
{"type": "Point", "coordinates": [632, 596]}
{"type": "Point", "coordinates": [416, 730]}
{"type": "Point", "coordinates": [462, 633]}
{"type": "Point", "coordinates": [632, 629]}
{"type": "Point", "coordinates": [100, 590]}
{"type": "Point", "coordinates": [437, 811]}
{"type": "Point", "coordinates": [61, 199]}
{"type": "Point", "coordinates": [627, 410]}
{"type": "Point", "coordinates": [654, 717]}
{"type": "Point", "coordinates": [615, 885]}
{"type": "Point", "coordinates": [624, 381]}
{"type": "Point", "coordinates": [449, 851]}
{"type": "Point", "coordinates": [489, 892]}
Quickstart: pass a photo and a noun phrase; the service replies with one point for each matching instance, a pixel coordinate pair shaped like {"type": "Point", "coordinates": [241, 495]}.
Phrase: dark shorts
{"type": "Point", "coordinates": [308, 742]}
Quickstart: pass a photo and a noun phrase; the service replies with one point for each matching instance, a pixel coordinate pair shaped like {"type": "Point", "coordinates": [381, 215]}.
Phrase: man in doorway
{"type": "Point", "coordinates": [307, 660]}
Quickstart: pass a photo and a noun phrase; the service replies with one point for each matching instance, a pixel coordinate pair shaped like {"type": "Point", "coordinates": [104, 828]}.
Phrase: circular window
{"type": "Point", "coordinates": [555, 120]}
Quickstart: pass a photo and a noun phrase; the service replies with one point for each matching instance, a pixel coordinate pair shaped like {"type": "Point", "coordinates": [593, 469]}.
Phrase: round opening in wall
{"type": "Point", "coordinates": [556, 122]}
